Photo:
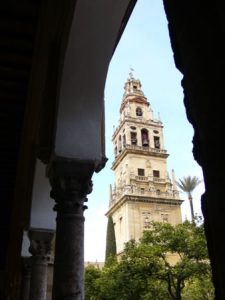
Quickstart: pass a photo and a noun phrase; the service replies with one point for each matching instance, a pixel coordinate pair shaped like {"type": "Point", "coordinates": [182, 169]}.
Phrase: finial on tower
{"type": "Point", "coordinates": [174, 180]}
{"type": "Point", "coordinates": [159, 116]}
{"type": "Point", "coordinates": [131, 73]}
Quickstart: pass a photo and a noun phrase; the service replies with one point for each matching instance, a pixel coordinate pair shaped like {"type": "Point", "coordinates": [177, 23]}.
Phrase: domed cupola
{"type": "Point", "coordinates": [133, 92]}
{"type": "Point", "coordinates": [132, 87]}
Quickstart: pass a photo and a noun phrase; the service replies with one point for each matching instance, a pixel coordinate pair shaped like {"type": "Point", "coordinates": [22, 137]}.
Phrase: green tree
{"type": "Point", "coordinates": [187, 242]}
{"type": "Point", "coordinates": [187, 185]}
{"type": "Point", "coordinates": [90, 282]}
{"type": "Point", "coordinates": [109, 284]}
{"type": "Point", "coordinates": [168, 263]}
{"type": "Point", "coordinates": [199, 288]}
{"type": "Point", "coordinates": [110, 252]}
{"type": "Point", "coordinates": [128, 279]}
{"type": "Point", "coordinates": [136, 273]}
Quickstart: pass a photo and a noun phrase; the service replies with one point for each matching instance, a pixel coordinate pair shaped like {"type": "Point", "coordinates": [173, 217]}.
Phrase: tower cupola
{"type": "Point", "coordinates": [132, 87]}
{"type": "Point", "coordinates": [133, 93]}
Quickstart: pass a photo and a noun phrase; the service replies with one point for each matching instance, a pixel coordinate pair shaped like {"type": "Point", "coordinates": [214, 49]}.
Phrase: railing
{"type": "Point", "coordinates": [132, 191]}
{"type": "Point", "coordinates": [156, 179]}
{"type": "Point", "coordinates": [141, 119]}
{"type": "Point", "coordinates": [144, 148]}
{"type": "Point", "coordinates": [141, 178]}
{"type": "Point", "coordinates": [148, 178]}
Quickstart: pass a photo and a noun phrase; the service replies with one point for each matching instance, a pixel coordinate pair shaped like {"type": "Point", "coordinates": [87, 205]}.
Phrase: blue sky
{"type": "Point", "coordinates": [144, 46]}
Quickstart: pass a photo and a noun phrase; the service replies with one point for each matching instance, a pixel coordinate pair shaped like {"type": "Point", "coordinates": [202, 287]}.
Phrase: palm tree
{"type": "Point", "coordinates": [187, 185]}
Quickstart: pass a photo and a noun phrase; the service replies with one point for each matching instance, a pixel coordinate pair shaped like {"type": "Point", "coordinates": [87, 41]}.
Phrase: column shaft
{"type": "Point", "coordinates": [38, 284]}
{"type": "Point", "coordinates": [26, 261]}
{"type": "Point", "coordinates": [69, 257]}
{"type": "Point", "coordinates": [70, 193]}
{"type": "Point", "coordinates": [40, 249]}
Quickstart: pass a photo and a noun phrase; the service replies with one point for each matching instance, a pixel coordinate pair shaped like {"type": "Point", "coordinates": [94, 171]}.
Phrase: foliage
{"type": "Point", "coordinates": [187, 242]}
{"type": "Point", "coordinates": [199, 288]}
{"type": "Point", "coordinates": [127, 280]}
{"type": "Point", "coordinates": [169, 262]}
{"type": "Point", "coordinates": [91, 288]}
{"type": "Point", "coordinates": [187, 185]}
{"type": "Point", "coordinates": [110, 240]}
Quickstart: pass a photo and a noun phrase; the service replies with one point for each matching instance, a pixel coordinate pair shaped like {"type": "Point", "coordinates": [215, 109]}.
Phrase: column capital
{"type": "Point", "coordinates": [40, 243]}
{"type": "Point", "coordinates": [71, 182]}
{"type": "Point", "coordinates": [70, 193]}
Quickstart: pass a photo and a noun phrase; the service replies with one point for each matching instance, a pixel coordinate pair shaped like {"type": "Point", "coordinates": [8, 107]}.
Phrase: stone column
{"type": "Point", "coordinates": [40, 248]}
{"type": "Point", "coordinates": [69, 189]}
{"type": "Point", "coordinates": [26, 273]}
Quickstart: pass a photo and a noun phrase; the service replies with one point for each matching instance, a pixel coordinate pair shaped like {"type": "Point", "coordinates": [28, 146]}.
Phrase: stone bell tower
{"type": "Point", "coordinates": [143, 191]}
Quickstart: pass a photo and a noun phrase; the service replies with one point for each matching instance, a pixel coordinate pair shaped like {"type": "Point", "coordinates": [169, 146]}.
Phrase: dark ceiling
{"type": "Point", "coordinates": [17, 37]}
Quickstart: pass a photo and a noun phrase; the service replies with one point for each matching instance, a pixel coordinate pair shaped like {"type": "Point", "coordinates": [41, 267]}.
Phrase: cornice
{"type": "Point", "coordinates": [128, 198]}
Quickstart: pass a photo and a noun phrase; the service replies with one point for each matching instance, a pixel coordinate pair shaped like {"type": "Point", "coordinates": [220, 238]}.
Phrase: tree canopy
{"type": "Point", "coordinates": [110, 240]}
{"type": "Point", "coordinates": [169, 262]}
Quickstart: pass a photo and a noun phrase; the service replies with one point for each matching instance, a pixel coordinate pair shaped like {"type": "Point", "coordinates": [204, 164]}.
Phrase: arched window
{"type": "Point", "coordinates": [133, 137]}
{"type": "Point", "coordinates": [124, 140]}
{"type": "Point", "coordinates": [157, 142]}
{"type": "Point", "coordinates": [115, 151]}
{"type": "Point", "coordinates": [119, 144]}
{"type": "Point", "coordinates": [144, 137]}
{"type": "Point", "coordinates": [139, 112]}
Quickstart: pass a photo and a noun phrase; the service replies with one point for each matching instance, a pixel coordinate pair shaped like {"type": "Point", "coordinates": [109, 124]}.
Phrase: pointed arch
{"type": "Point", "coordinates": [139, 111]}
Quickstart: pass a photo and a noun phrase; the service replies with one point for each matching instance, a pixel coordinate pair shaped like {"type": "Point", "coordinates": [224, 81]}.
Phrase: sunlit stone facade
{"type": "Point", "coordinates": [143, 190]}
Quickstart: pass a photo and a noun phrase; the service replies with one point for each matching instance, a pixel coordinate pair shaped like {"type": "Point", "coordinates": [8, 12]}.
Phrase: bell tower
{"type": "Point", "coordinates": [142, 191]}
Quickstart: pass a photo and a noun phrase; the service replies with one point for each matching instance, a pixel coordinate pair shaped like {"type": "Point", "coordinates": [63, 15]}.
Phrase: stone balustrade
{"type": "Point", "coordinates": [132, 191]}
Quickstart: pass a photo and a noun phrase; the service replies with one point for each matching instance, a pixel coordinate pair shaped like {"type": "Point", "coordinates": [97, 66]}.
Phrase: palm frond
{"type": "Point", "coordinates": [188, 184]}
